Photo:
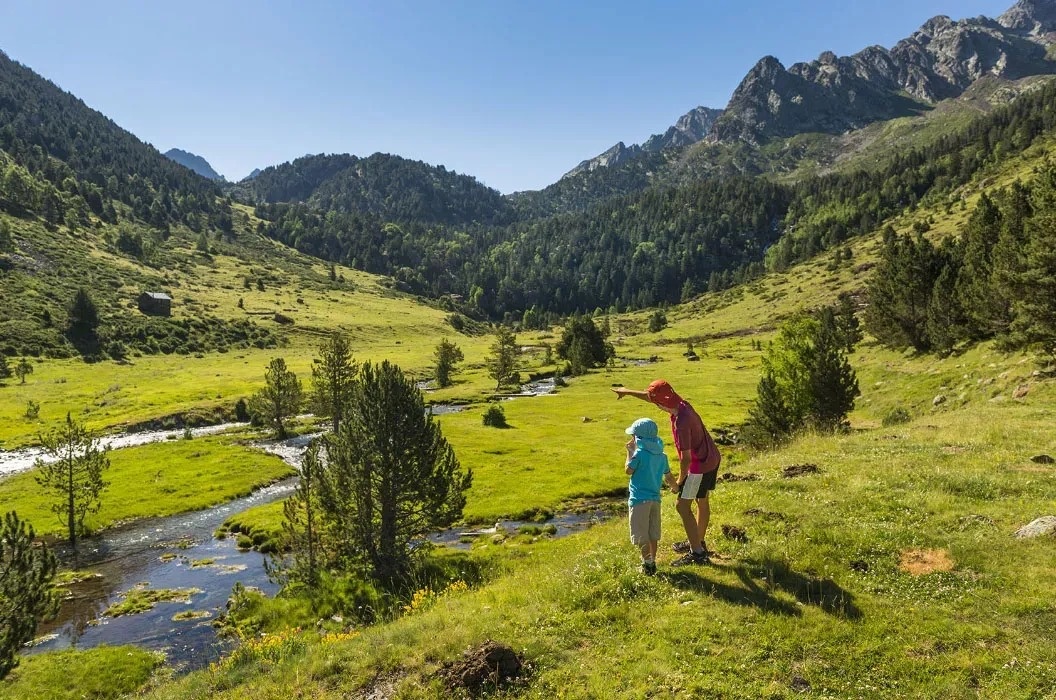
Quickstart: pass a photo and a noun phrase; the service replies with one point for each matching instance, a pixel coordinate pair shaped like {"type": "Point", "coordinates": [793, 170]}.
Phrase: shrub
{"type": "Point", "coordinates": [495, 417]}
{"type": "Point", "coordinates": [896, 417]}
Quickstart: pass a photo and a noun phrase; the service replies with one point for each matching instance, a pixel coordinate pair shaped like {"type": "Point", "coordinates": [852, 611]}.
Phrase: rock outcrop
{"type": "Point", "coordinates": [939, 61]}
{"type": "Point", "coordinates": [690, 128]}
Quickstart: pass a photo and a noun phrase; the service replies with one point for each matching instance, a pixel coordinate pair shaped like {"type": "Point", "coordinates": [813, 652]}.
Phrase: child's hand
{"type": "Point", "coordinates": [630, 446]}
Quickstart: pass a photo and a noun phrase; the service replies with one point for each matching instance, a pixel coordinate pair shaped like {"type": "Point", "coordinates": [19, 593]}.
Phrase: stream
{"type": "Point", "coordinates": [180, 552]}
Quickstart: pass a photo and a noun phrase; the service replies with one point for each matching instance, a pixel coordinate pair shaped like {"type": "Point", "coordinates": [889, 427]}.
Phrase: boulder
{"type": "Point", "coordinates": [1045, 525]}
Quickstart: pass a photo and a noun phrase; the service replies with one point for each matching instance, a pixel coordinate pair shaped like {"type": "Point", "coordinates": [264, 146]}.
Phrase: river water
{"type": "Point", "coordinates": [180, 552]}
{"type": "Point", "coordinates": [162, 553]}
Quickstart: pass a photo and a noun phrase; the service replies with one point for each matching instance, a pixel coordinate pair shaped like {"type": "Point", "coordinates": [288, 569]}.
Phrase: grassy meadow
{"type": "Point", "coordinates": [154, 480]}
{"type": "Point", "coordinates": [892, 571]}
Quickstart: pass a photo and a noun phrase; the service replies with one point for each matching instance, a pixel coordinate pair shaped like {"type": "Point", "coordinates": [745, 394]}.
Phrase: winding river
{"type": "Point", "coordinates": [180, 552]}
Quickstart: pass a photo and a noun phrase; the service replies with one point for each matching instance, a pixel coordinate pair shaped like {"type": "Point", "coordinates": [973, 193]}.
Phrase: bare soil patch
{"type": "Point", "coordinates": [488, 666]}
{"type": "Point", "coordinates": [732, 532]}
{"type": "Point", "coordinates": [730, 476]}
{"type": "Point", "coordinates": [917, 562]}
{"type": "Point", "coordinates": [792, 471]}
{"type": "Point", "coordinates": [765, 514]}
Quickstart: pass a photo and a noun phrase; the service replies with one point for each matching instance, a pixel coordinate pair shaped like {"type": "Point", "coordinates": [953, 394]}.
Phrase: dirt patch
{"type": "Point", "coordinates": [765, 514]}
{"type": "Point", "coordinates": [860, 565]}
{"type": "Point", "coordinates": [490, 665]}
{"type": "Point", "coordinates": [730, 476]}
{"type": "Point", "coordinates": [383, 687]}
{"type": "Point", "coordinates": [795, 470]}
{"type": "Point", "coordinates": [1043, 459]}
{"type": "Point", "coordinates": [732, 532]}
{"type": "Point", "coordinates": [917, 562]}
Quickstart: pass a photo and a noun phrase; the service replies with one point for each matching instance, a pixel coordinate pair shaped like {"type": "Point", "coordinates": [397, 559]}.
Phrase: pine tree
{"type": "Point", "coordinates": [1034, 308]}
{"type": "Point", "coordinates": [833, 382]}
{"type": "Point", "coordinates": [300, 557]}
{"type": "Point", "coordinates": [770, 420]}
{"type": "Point", "coordinates": [1007, 256]}
{"type": "Point", "coordinates": [280, 399]}
{"type": "Point", "coordinates": [900, 291]}
{"type": "Point", "coordinates": [84, 317]}
{"type": "Point", "coordinates": [390, 476]}
{"type": "Point", "coordinates": [502, 363]}
{"type": "Point", "coordinates": [583, 345]}
{"type": "Point", "coordinates": [946, 319]}
{"type": "Point", "coordinates": [73, 473]}
{"type": "Point", "coordinates": [974, 287]}
{"type": "Point", "coordinates": [26, 595]}
{"type": "Point", "coordinates": [22, 369]}
{"type": "Point", "coordinates": [7, 243]}
{"type": "Point", "coordinates": [807, 380]}
{"type": "Point", "coordinates": [447, 356]}
{"type": "Point", "coordinates": [333, 374]}
{"type": "Point", "coordinates": [5, 367]}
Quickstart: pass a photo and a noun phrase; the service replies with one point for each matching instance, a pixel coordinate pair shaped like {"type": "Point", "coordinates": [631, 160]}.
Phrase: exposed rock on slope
{"type": "Point", "coordinates": [690, 128]}
{"type": "Point", "coordinates": [939, 61]}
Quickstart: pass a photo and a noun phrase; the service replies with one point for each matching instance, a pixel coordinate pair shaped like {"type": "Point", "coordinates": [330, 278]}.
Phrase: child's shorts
{"type": "Point", "coordinates": [645, 522]}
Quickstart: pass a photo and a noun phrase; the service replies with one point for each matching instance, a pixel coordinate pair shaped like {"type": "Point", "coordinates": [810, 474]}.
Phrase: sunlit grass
{"type": "Point", "coordinates": [155, 480]}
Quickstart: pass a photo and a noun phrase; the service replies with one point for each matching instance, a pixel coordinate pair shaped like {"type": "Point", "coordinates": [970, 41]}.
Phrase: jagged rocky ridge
{"type": "Point", "coordinates": [837, 94]}
{"type": "Point", "coordinates": [690, 128]}
{"type": "Point", "coordinates": [939, 61]}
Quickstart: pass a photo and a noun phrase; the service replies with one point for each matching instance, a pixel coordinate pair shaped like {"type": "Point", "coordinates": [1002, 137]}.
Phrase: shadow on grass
{"type": "Point", "coordinates": [776, 576]}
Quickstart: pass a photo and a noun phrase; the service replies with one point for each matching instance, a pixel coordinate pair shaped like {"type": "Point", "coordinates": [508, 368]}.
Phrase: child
{"type": "Point", "coordinates": [648, 468]}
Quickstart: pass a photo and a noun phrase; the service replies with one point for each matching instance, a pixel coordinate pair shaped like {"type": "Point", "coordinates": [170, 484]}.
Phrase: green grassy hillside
{"type": "Point", "coordinates": [893, 571]}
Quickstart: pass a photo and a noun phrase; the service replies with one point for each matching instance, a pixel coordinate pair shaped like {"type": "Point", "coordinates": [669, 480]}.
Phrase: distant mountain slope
{"type": "Point", "coordinates": [193, 162]}
{"type": "Point", "coordinates": [780, 120]}
{"type": "Point", "coordinates": [688, 130]}
{"type": "Point", "coordinates": [83, 163]}
{"type": "Point", "coordinates": [939, 61]}
{"type": "Point", "coordinates": [388, 186]}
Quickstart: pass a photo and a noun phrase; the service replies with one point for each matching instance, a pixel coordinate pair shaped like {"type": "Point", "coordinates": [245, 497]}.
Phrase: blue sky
{"type": "Point", "coordinates": [514, 93]}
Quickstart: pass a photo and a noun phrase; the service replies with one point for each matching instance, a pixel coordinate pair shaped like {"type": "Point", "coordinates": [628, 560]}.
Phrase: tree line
{"type": "Point", "coordinates": [996, 280]}
{"type": "Point", "coordinates": [664, 244]}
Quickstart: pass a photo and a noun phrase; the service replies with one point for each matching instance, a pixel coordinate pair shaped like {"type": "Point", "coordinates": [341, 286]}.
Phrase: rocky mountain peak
{"type": "Point", "coordinates": [1035, 17]}
{"type": "Point", "coordinates": [939, 61]}
{"type": "Point", "coordinates": [620, 153]}
{"type": "Point", "coordinates": [935, 25]}
{"type": "Point", "coordinates": [689, 129]}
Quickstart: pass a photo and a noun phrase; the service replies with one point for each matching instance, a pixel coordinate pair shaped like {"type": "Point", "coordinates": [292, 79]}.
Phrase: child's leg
{"type": "Point", "coordinates": [654, 530]}
{"type": "Point", "coordinates": [638, 519]}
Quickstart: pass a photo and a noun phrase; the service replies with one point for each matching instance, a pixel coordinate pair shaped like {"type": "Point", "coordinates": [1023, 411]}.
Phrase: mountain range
{"type": "Point", "coordinates": [690, 209]}
{"type": "Point", "coordinates": [833, 95]}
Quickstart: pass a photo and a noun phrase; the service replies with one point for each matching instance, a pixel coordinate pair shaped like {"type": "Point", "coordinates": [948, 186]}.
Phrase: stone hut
{"type": "Point", "coordinates": [155, 303]}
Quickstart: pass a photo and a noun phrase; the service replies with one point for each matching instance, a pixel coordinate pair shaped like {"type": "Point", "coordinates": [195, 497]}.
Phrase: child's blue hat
{"type": "Point", "coordinates": [643, 428]}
